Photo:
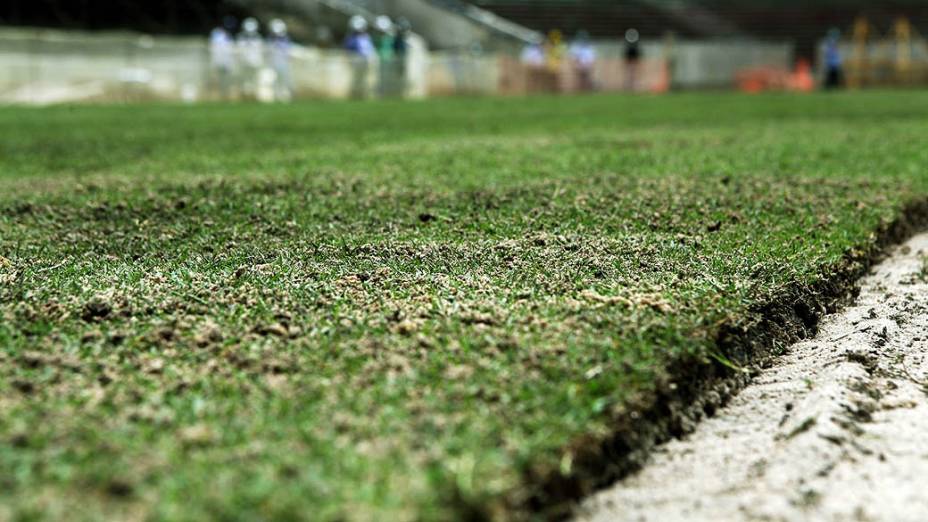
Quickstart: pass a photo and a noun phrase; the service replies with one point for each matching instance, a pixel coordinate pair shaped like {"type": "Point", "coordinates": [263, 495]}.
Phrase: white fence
{"type": "Point", "coordinates": [38, 66]}
{"type": "Point", "coordinates": [57, 66]}
{"type": "Point", "coordinates": [714, 64]}
{"type": "Point", "coordinates": [54, 66]}
{"type": "Point", "coordinates": [703, 64]}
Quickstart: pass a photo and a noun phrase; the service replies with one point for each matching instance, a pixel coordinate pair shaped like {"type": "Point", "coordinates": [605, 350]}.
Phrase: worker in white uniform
{"type": "Point", "coordinates": [251, 57]}
{"type": "Point", "coordinates": [279, 46]}
{"type": "Point", "coordinates": [361, 48]}
{"type": "Point", "coordinates": [583, 58]}
{"type": "Point", "coordinates": [222, 57]}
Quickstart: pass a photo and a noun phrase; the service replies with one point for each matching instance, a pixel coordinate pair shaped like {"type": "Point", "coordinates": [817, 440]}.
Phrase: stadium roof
{"type": "Point", "coordinates": [164, 16]}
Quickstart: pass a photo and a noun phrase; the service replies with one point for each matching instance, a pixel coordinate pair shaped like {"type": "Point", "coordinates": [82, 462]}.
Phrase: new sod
{"type": "Point", "coordinates": [396, 311]}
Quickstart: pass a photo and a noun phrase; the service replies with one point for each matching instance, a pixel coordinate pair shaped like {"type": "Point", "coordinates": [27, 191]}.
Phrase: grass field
{"type": "Point", "coordinates": [396, 311]}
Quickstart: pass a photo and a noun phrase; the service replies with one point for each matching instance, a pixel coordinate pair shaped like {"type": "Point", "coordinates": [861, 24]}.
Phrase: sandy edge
{"type": "Point", "coordinates": [834, 430]}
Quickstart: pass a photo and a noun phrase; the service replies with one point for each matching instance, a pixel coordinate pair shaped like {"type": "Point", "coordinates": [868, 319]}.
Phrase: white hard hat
{"type": "Point", "coordinates": [250, 25]}
{"type": "Point", "coordinates": [383, 24]}
{"type": "Point", "coordinates": [357, 23]}
{"type": "Point", "coordinates": [631, 35]}
{"type": "Point", "coordinates": [278, 27]}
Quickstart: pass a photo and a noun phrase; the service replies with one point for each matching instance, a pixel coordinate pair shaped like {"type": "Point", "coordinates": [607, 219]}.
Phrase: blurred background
{"type": "Point", "coordinates": [54, 51]}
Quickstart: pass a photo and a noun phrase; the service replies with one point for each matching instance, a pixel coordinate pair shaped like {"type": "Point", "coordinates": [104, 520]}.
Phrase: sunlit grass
{"type": "Point", "coordinates": [377, 311]}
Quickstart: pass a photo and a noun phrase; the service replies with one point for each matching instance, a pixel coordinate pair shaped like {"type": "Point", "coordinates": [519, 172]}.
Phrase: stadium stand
{"type": "Point", "coordinates": [800, 21]}
{"type": "Point", "coordinates": [162, 17]}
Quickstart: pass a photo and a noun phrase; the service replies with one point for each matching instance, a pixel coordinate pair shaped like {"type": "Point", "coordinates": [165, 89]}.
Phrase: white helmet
{"type": "Point", "coordinates": [383, 24]}
{"type": "Point", "coordinates": [250, 25]}
{"type": "Point", "coordinates": [357, 23]}
{"type": "Point", "coordinates": [631, 36]}
{"type": "Point", "coordinates": [278, 27]}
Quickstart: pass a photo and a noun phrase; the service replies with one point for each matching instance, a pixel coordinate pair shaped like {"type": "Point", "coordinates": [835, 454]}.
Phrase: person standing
{"type": "Point", "coordinates": [533, 54]}
{"type": "Point", "coordinates": [583, 56]}
{"type": "Point", "coordinates": [834, 74]}
{"type": "Point", "coordinates": [279, 45]}
{"type": "Point", "coordinates": [533, 65]}
{"type": "Point", "coordinates": [555, 50]}
{"type": "Point", "coordinates": [222, 57]}
{"type": "Point", "coordinates": [401, 41]}
{"type": "Point", "coordinates": [359, 44]}
{"type": "Point", "coordinates": [386, 53]}
{"type": "Point", "coordinates": [251, 56]}
{"type": "Point", "coordinates": [632, 59]}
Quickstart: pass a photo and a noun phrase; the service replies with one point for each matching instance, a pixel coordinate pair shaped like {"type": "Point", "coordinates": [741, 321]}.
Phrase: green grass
{"type": "Point", "coordinates": [390, 311]}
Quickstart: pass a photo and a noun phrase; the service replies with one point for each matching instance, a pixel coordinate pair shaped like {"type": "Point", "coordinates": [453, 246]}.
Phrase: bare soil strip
{"type": "Point", "coordinates": [835, 430]}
